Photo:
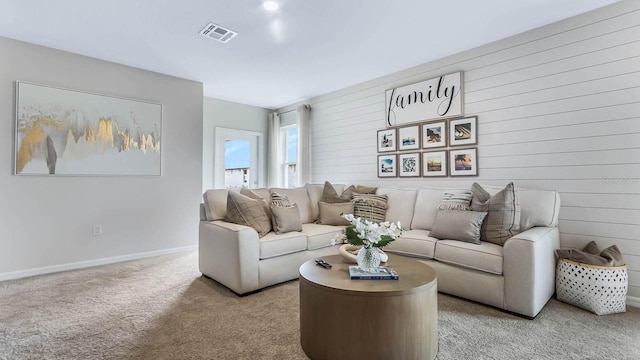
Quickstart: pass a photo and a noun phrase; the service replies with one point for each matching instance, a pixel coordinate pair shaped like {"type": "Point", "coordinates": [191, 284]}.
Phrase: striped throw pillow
{"type": "Point", "coordinates": [456, 200]}
{"type": "Point", "coordinates": [370, 206]}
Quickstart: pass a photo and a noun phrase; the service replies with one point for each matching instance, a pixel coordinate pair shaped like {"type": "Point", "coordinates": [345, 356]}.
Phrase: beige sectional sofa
{"type": "Point", "coordinates": [517, 277]}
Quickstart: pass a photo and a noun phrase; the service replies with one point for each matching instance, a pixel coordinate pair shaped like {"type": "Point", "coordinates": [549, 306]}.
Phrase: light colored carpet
{"type": "Point", "coordinates": [162, 308]}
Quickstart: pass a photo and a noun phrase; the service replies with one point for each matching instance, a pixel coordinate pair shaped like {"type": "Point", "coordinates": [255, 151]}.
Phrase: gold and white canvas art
{"type": "Point", "coordinates": [65, 132]}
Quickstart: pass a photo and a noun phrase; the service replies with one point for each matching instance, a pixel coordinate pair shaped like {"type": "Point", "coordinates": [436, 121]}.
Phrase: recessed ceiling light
{"type": "Point", "coordinates": [270, 5]}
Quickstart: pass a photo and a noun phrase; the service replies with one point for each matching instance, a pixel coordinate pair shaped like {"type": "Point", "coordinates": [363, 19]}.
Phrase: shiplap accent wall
{"type": "Point", "coordinates": [558, 108]}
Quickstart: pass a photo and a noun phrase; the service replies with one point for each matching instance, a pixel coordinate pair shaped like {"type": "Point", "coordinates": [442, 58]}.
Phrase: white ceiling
{"type": "Point", "coordinates": [306, 48]}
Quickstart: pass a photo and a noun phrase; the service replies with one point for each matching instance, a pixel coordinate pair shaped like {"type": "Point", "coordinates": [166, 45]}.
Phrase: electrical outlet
{"type": "Point", "coordinates": [97, 230]}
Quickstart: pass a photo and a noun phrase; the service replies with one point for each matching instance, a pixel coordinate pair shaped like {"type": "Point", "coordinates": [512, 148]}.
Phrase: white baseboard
{"type": "Point", "coordinates": [633, 301]}
{"type": "Point", "coordinates": [85, 264]}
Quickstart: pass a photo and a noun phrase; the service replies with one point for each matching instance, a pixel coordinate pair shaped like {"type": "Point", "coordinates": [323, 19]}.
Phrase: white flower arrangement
{"type": "Point", "coordinates": [363, 232]}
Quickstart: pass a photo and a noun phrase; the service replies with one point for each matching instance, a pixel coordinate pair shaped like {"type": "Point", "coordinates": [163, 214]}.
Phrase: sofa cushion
{"type": "Point", "coordinates": [485, 257]}
{"type": "Point", "coordinates": [215, 204]}
{"type": "Point", "coordinates": [330, 213]}
{"type": "Point", "coordinates": [320, 236]}
{"type": "Point", "coordinates": [427, 202]}
{"type": "Point", "coordinates": [272, 245]}
{"type": "Point", "coordinates": [330, 194]}
{"type": "Point", "coordinates": [400, 205]}
{"type": "Point", "coordinates": [300, 197]}
{"type": "Point", "coordinates": [370, 206]}
{"type": "Point", "coordinates": [503, 208]}
{"type": "Point", "coordinates": [244, 210]}
{"type": "Point", "coordinates": [416, 243]}
{"type": "Point", "coordinates": [287, 219]}
{"type": "Point", "coordinates": [458, 225]}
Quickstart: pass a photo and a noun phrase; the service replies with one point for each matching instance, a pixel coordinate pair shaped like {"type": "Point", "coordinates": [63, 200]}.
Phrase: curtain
{"type": "Point", "coordinates": [273, 161]}
{"type": "Point", "coordinates": [303, 164]}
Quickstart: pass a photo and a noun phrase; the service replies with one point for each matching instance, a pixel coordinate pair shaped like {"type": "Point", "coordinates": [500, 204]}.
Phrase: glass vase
{"type": "Point", "coordinates": [368, 259]}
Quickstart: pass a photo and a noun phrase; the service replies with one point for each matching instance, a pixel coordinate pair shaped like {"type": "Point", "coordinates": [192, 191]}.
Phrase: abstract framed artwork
{"type": "Point", "coordinates": [409, 137]}
{"type": "Point", "coordinates": [409, 164]}
{"type": "Point", "coordinates": [387, 166]}
{"type": "Point", "coordinates": [463, 131]}
{"type": "Point", "coordinates": [434, 134]}
{"type": "Point", "coordinates": [434, 163]}
{"type": "Point", "coordinates": [67, 132]}
{"type": "Point", "coordinates": [463, 162]}
{"type": "Point", "coordinates": [387, 140]}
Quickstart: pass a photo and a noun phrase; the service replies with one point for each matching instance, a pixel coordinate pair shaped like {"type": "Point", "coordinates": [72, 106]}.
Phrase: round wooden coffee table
{"type": "Point", "coordinates": [368, 319]}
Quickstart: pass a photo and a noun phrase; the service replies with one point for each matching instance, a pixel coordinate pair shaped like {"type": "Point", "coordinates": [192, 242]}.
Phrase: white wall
{"type": "Point", "coordinates": [226, 114]}
{"type": "Point", "coordinates": [558, 107]}
{"type": "Point", "coordinates": [46, 221]}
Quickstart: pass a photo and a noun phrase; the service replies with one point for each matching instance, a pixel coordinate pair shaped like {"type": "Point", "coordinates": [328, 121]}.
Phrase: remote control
{"type": "Point", "coordinates": [323, 263]}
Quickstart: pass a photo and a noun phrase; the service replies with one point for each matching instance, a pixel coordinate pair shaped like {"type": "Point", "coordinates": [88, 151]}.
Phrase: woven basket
{"type": "Point", "coordinates": [599, 289]}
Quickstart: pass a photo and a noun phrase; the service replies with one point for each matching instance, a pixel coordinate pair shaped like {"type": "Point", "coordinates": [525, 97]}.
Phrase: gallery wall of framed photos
{"type": "Point", "coordinates": [437, 148]}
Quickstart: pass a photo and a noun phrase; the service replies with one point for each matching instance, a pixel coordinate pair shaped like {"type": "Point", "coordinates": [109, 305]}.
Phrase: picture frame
{"type": "Point", "coordinates": [51, 124]}
{"type": "Point", "coordinates": [463, 162]}
{"type": "Point", "coordinates": [409, 137]}
{"type": "Point", "coordinates": [463, 131]}
{"type": "Point", "coordinates": [434, 134]}
{"type": "Point", "coordinates": [434, 163]}
{"type": "Point", "coordinates": [387, 166]}
{"type": "Point", "coordinates": [409, 164]}
{"type": "Point", "coordinates": [387, 140]}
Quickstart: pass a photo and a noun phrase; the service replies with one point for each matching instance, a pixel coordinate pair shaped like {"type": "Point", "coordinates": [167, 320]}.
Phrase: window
{"type": "Point", "coordinates": [289, 135]}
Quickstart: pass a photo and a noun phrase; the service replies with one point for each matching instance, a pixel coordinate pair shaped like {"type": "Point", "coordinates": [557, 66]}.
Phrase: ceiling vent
{"type": "Point", "coordinates": [217, 32]}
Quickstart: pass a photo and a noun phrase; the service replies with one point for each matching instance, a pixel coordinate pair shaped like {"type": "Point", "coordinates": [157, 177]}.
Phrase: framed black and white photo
{"type": "Point", "coordinates": [463, 131]}
{"type": "Point", "coordinates": [434, 163]}
{"type": "Point", "coordinates": [409, 137]}
{"type": "Point", "coordinates": [409, 164]}
{"type": "Point", "coordinates": [387, 140]}
{"type": "Point", "coordinates": [387, 166]}
{"type": "Point", "coordinates": [463, 162]}
{"type": "Point", "coordinates": [434, 134]}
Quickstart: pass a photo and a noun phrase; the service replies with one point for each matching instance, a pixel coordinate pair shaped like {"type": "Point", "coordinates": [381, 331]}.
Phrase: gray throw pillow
{"type": "Point", "coordinates": [244, 210]}
{"type": "Point", "coordinates": [458, 225]}
{"type": "Point", "coordinates": [330, 213]}
{"type": "Point", "coordinates": [503, 213]}
{"type": "Point", "coordinates": [330, 195]}
{"type": "Point", "coordinates": [287, 218]}
{"type": "Point", "coordinates": [591, 248]}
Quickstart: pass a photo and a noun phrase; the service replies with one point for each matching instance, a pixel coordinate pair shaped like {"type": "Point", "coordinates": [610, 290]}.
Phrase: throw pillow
{"type": "Point", "coordinates": [591, 248]}
{"type": "Point", "coordinates": [246, 192]}
{"type": "Point", "coordinates": [361, 189]}
{"type": "Point", "coordinates": [244, 210]}
{"type": "Point", "coordinates": [330, 195]}
{"type": "Point", "coordinates": [458, 225]}
{"type": "Point", "coordinates": [287, 218]}
{"type": "Point", "coordinates": [613, 256]}
{"type": "Point", "coordinates": [503, 213]}
{"type": "Point", "coordinates": [370, 206]}
{"type": "Point", "coordinates": [279, 201]}
{"type": "Point", "coordinates": [330, 213]}
{"type": "Point", "coordinates": [580, 256]}
{"type": "Point", "coordinates": [456, 200]}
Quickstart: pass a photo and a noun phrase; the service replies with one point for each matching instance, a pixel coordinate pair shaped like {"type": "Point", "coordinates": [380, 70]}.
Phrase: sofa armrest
{"type": "Point", "coordinates": [229, 253]}
{"type": "Point", "coordinates": [529, 269]}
